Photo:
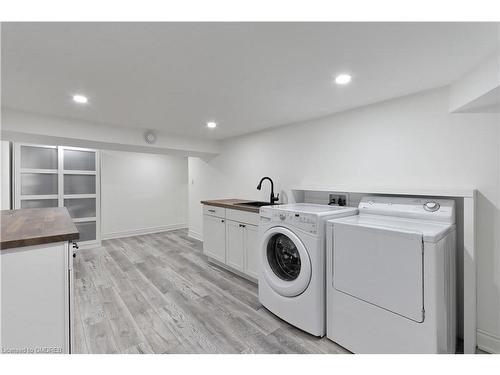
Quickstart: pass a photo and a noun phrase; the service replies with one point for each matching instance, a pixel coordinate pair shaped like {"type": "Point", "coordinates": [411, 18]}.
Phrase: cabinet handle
{"type": "Point", "coordinates": [222, 221]}
{"type": "Point", "coordinates": [242, 225]}
{"type": "Point", "coordinates": [211, 211]}
{"type": "Point", "coordinates": [76, 247]}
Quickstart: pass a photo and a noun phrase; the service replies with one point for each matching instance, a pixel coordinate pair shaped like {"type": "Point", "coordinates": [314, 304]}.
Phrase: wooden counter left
{"type": "Point", "coordinates": [36, 261]}
{"type": "Point", "coordinates": [36, 226]}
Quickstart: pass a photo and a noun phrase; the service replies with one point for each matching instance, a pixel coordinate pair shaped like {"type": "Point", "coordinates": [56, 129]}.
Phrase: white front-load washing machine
{"type": "Point", "coordinates": [391, 277]}
{"type": "Point", "coordinates": [292, 256]}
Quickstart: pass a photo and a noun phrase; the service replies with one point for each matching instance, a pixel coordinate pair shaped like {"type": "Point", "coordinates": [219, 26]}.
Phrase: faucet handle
{"type": "Point", "coordinates": [277, 198]}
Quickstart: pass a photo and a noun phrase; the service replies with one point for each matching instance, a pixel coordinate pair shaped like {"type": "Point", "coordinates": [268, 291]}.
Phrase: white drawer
{"type": "Point", "coordinates": [243, 216]}
{"type": "Point", "coordinates": [214, 211]}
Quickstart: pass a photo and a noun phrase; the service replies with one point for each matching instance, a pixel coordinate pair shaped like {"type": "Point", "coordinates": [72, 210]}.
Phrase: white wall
{"type": "Point", "coordinates": [410, 142]}
{"type": "Point", "coordinates": [142, 193]}
{"type": "Point", "coordinates": [481, 82]}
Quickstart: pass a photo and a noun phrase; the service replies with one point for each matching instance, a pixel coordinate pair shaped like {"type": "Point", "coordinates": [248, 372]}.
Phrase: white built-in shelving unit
{"type": "Point", "coordinates": [60, 176]}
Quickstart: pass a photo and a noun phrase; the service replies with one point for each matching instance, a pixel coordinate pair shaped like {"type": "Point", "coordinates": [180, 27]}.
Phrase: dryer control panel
{"type": "Point", "coordinates": [433, 209]}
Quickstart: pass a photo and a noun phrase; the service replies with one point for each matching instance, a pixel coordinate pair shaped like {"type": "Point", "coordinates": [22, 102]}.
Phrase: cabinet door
{"type": "Point", "coordinates": [81, 193]}
{"type": "Point", "coordinates": [251, 252]}
{"type": "Point", "coordinates": [214, 237]}
{"type": "Point", "coordinates": [35, 298]}
{"type": "Point", "coordinates": [235, 253]}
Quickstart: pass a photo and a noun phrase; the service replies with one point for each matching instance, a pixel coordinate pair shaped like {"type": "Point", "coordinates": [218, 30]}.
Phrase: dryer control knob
{"type": "Point", "coordinates": [282, 216]}
{"type": "Point", "coordinates": [431, 206]}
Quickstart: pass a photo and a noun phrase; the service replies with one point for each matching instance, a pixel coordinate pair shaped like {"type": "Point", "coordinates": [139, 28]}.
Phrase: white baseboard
{"type": "Point", "coordinates": [138, 232]}
{"type": "Point", "coordinates": [195, 235]}
{"type": "Point", "coordinates": [488, 342]}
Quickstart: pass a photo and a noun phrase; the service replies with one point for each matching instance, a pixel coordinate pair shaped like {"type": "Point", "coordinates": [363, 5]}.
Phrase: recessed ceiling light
{"type": "Point", "coordinates": [343, 79]}
{"type": "Point", "coordinates": [81, 99]}
{"type": "Point", "coordinates": [211, 124]}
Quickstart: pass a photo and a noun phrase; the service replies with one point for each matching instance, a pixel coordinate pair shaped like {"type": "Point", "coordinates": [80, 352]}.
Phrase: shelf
{"type": "Point", "coordinates": [38, 170]}
{"type": "Point", "coordinates": [79, 196]}
{"type": "Point", "coordinates": [83, 219]}
{"type": "Point", "coordinates": [438, 192]}
{"type": "Point", "coordinates": [69, 171]}
{"type": "Point", "coordinates": [46, 196]}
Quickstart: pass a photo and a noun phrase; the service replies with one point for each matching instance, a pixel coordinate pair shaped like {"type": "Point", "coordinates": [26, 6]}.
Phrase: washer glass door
{"type": "Point", "coordinates": [286, 262]}
{"type": "Point", "coordinates": [283, 257]}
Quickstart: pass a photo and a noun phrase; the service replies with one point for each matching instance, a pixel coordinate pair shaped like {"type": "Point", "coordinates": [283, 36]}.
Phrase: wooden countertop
{"type": "Point", "coordinates": [36, 226]}
{"type": "Point", "coordinates": [234, 204]}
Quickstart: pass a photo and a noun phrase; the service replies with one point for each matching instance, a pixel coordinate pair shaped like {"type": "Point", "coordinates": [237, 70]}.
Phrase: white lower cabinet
{"type": "Point", "coordinates": [233, 243]}
{"type": "Point", "coordinates": [37, 294]}
{"type": "Point", "coordinates": [214, 237]}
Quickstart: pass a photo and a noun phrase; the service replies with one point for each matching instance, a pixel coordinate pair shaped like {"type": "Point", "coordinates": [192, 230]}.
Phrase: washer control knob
{"type": "Point", "coordinates": [431, 206]}
{"type": "Point", "coordinates": [282, 216]}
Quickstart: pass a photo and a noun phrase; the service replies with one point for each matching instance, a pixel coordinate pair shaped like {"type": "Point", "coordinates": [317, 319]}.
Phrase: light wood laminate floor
{"type": "Point", "coordinates": [157, 293]}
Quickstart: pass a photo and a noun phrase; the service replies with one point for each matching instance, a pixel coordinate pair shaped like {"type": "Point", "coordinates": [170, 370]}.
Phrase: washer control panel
{"type": "Point", "coordinates": [303, 221]}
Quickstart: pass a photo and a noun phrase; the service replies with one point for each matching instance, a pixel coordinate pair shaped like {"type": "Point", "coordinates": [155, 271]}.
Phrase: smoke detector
{"type": "Point", "coordinates": [150, 137]}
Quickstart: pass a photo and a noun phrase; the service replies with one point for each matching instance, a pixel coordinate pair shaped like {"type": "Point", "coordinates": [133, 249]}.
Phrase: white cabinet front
{"type": "Point", "coordinates": [235, 245]}
{"type": "Point", "coordinates": [241, 252]}
{"type": "Point", "coordinates": [251, 252]}
{"type": "Point", "coordinates": [214, 237]}
{"type": "Point", "coordinates": [36, 297]}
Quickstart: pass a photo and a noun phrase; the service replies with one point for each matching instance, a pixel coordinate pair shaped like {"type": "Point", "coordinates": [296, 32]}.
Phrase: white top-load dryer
{"type": "Point", "coordinates": [292, 256]}
{"type": "Point", "coordinates": [391, 277]}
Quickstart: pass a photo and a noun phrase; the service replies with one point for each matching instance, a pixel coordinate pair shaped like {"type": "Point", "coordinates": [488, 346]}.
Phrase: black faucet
{"type": "Point", "coordinates": [273, 198]}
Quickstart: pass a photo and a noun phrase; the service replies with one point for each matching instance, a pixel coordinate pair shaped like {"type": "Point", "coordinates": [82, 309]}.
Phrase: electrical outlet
{"type": "Point", "coordinates": [338, 199]}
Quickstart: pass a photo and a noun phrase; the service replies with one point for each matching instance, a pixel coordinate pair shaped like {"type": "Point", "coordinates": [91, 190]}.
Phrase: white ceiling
{"type": "Point", "coordinates": [245, 76]}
